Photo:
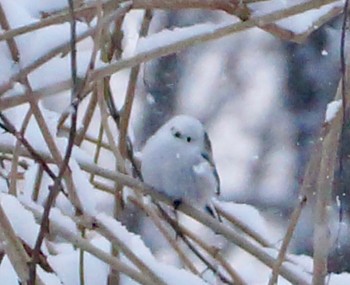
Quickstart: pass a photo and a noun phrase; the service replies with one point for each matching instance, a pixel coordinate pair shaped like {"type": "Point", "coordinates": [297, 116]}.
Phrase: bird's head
{"type": "Point", "coordinates": [186, 129]}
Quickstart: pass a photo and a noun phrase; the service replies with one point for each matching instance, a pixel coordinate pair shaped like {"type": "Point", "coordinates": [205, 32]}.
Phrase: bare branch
{"type": "Point", "coordinates": [64, 48]}
{"type": "Point", "coordinates": [164, 50]}
{"type": "Point", "coordinates": [287, 238]}
{"type": "Point", "coordinates": [13, 178]}
{"type": "Point", "coordinates": [8, 127]}
{"type": "Point", "coordinates": [202, 217]}
{"type": "Point", "coordinates": [10, 42]}
{"type": "Point", "coordinates": [235, 7]}
{"type": "Point", "coordinates": [85, 245]}
{"type": "Point", "coordinates": [159, 223]}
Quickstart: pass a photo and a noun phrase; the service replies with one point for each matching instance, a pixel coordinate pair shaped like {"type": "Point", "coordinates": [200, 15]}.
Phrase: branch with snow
{"type": "Point", "coordinates": [201, 217]}
{"type": "Point", "coordinates": [36, 136]}
{"type": "Point", "coordinates": [166, 44]}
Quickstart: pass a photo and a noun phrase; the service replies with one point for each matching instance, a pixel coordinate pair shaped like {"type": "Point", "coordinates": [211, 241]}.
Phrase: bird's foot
{"type": "Point", "coordinates": [177, 203]}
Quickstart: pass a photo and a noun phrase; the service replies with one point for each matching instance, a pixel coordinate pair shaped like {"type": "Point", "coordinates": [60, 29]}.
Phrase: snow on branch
{"type": "Point", "coordinates": [61, 202]}
{"type": "Point", "coordinates": [167, 42]}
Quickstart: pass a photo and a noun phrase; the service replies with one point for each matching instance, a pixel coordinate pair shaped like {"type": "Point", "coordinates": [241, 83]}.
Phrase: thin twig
{"type": "Point", "coordinates": [82, 134]}
{"type": "Point", "coordinates": [104, 119]}
{"type": "Point", "coordinates": [22, 163]}
{"type": "Point", "coordinates": [344, 86]}
{"type": "Point", "coordinates": [8, 127]}
{"type": "Point", "coordinates": [211, 34]}
{"type": "Point", "coordinates": [63, 48]}
{"type": "Point", "coordinates": [37, 183]}
{"type": "Point", "coordinates": [130, 93]}
{"type": "Point", "coordinates": [63, 16]}
{"type": "Point", "coordinates": [343, 61]}
{"type": "Point", "coordinates": [170, 48]}
{"type": "Point", "coordinates": [15, 158]}
{"type": "Point", "coordinates": [14, 249]}
{"type": "Point", "coordinates": [242, 226]}
{"type": "Point", "coordinates": [287, 238]}
{"type": "Point", "coordinates": [165, 232]}
{"type": "Point", "coordinates": [85, 245]}
{"type": "Point", "coordinates": [58, 18]}
{"type": "Point", "coordinates": [329, 154]}
{"type": "Point", "coordinates": [88, 137]}
{"type": "Point", "coordinates": [120, 244]}
{"type": "Point", "coordinates": [10, 42]}
{"type": "Point", "coordinates": [182, 232]}
{"type": "Point", "coordinates": [200, 216]}
{"type": "Point", "coordinates": [57, 187]}
{"type": "Point", "coordinates": [97, 149]}
{"type": "Point", "coordinates": [119, 162]}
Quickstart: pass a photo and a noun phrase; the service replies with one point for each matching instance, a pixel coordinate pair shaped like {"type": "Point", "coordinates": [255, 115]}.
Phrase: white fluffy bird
{"type": "Point", "coordinates": [178, 161]}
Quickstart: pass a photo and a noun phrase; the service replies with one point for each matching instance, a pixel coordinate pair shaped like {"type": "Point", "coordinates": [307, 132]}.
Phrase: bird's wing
{"type": "Point", "coordinates": [207, 154]}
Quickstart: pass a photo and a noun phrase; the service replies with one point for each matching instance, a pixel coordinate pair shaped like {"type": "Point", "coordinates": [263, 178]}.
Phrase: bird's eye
{"type": "Point", "coordinates": [189, 139]}
{"type": "Point", "coordinates": [177, 134]}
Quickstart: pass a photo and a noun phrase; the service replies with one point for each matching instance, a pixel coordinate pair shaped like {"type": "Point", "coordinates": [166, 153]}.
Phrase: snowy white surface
{"type": "Point", "coordinates": [40, 6]}
{"type": "Point", "coordinates": [253, 100]}
{"type": "Point", "coordinates": [34, 45]}
{"type": "Point", "coordinates": [22, 221]}
{"type": "Point", "coordinates": [33, 132]}
{"type": "Point", "coordinates": [170, 274]}
{"type": "Point", "coordinates": [7, 272]}
{"type": "Point", "coordinates": [168, 37]}
{"type": "Point", "coordinates": [332, 110]}
{"type": "Point", "coordinates": [297, 24]}
{"type": "Point", "coordinates": [249, 216]}
{"type": "Point", "coordinates": [85, 191]}
{"type": "Point", "coordinates": [95, 270]}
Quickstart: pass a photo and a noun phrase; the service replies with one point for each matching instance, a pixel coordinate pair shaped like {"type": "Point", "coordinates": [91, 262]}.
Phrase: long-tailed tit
{"type": "Point", "coordinates": [178, 161]}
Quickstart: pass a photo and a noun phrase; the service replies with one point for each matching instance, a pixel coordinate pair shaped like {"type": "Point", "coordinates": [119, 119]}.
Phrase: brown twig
{"type": "Point", "coordinates": [64, 48]}
{"type": "Point", "coordinates": [80, 90]}
{"type": "Point", "coordinates": [234, 7]}
{"type": "Point", "coordinates": [203, 218]}
{"type": "Point", "coordinates": [213, 34]}
{"type": "Point", "coordinates": [343, 59]}
{"type": "Point", "coordinates": [97, 148]}
{"type": "Point", "coordinates": [130, 93]}
{"type": "Point", "coordinates": [82, 134]}
{"type": "Point", "coordinates": [84, 244]}
{"type": "Point", "coordinates": [287, 238]}
{"type": "Point", "coordinates": [104, 118]}
{"type": "Point", "coordinates": [14, 249]}
{"type": "Point", "coordinates": [89, 9]}
{"type": "Point", "coordinates": [168, 49]}
{"type": "Point", "coordinates": [15, 158]}
{"type": "Point", "coordinates": [120, 244]}
{"type": "Point", "coordinates": [22, 163]}
{"type": "Point", "coordinates": [118, 158]}
{"type": "Point", "coordinates": [300, 37]}
{"type": "Point", "coordinates": [57, 187]}
{"type": "Point", "coordinates": [182, 232]}
{"type": "Point", "coordinates": [8, 127]}
{"type": "Point", "coordinates": [58, 18]}
{"type": "Point", "coordinates": [88, 137]}
{"type": "Point", "coordinates": [241, 226]}
{"type": "Point", "coordinates": [165, 232]}
{"type": "Point", "coordinates": [329, 154]}
{"type": "Point", "coordinates": [37, 183]}
{"type": "Point", "coordinates": [10, 42]}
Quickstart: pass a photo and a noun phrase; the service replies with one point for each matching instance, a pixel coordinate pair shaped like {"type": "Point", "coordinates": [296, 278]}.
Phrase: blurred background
{"type": "Point", "coordinates": [263, 102]}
